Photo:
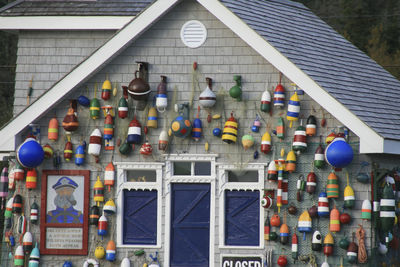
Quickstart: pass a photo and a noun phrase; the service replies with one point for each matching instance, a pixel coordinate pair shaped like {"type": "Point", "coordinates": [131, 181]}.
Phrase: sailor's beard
{"type": "Point", "coordinates": [64, 202]}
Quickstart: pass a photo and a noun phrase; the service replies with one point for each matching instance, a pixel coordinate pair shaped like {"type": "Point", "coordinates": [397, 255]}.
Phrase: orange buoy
{"type": "Point", "coordinates": [52, 132]}
{"type": "Point", "coordinates": [334, 222]}
{"type": "Point", "coordinates": [31, 179]}
{"type": "Point", "coordinates": [328, 244]}
{"type": "Point", "coordinates": [291, 161]}
{"type": "Point", "coordinates": [109, 175]}
{"type": "Point", "coordinates": [332, 188]}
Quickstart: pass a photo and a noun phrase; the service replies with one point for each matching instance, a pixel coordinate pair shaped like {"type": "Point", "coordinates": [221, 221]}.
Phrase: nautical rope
{"type": "Point", "coordinates": [362, 253]}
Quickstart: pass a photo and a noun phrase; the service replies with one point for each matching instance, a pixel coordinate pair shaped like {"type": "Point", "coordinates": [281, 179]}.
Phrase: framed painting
{"type": "Point", "coordinates": [64, 212]}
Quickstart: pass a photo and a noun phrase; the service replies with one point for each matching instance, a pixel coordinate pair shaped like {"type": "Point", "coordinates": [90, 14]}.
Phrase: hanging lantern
{"type": "Point", "coordinates": [311, 182]}
{"type": "Point", "coordinates": [293, 109]}
{"type": "Point", "coordinates": [27, 243]}
{"type": "Point", "coordinates": [138, 88]}
{"type": "Point", "coordinates": [68, 149]}
{"type": "Point", "coordinates": [323, 205]}
{"type": "Point", "coordinates": [52, 132]}
{"type": "Point", "coordinates": [80, 154]}
{"type": "Point", "coordinates": [109, 207]}
{"type": "Point", "coordinates": [266, 101]}
{"type": "Point", "coordinates": [34, 258]}
{"type": "Point", "coordinates": [319, 156]}
{"type": "Point", "coordinates": [387, 213]}
{"type": "Point", "coordinates": [256, 125]}
{"type": "Point", "coordinates": [328, 244]}
{"type": "Point", "coordinates": [247, 141]}
{"type": "Point", "coordinates": [109, 175]}
{"type": "Point", "coordinates": [19, 172]}
{"type": "Point", "coordinates": [98, 191]}
{"type": "Point", "coordinates": [267, 228]}
{"type": "Point", "coordinates": [134, 132]}
{"type": "Point", "coordinates": [99, 252]}
{"type": "Point", "coordinates": [339, 153]}
{"type": "Point", "coordinates": [291, 161]}
{"type": "Point", "coordinates": [316, 243]}
{"type": "Point", "coordinates": [207, 98]}
{"type": "Point", "coordinates": [106, 90]}
{"type": "Point", "coordinates": [280, 128]}
{"type": "Point", "coordinates": [279, 94]}
{"type": "Point", "coordinates": [163, 141]}
{"type": "Point", "coordinates": [123, 104]}
{"type": "Point", "coordinates": [17, 204]}
{"type": "Point", "coordinates": [31, 179]}
{"type": "Point", "coordinates": [229, 134]}
{"type": "Point", "coordinates": [349, 198]}
{"type": "Point", "coordinates": [102, 226]}
{"type": "Point", "coordinates": [110, 251]}
{"type": "Point", "coordinates": [275, 220]}
{"type": "Point", "coordinates": [284, 234]}
{"type": "Point", "coordinates": [236, 90]}
{"type": "Point", "coordinates": [181, 125]}
{"type": "Point", "coordinates": [366, 210]}
{"type": "Point", "coordinates": [197, 127]}
{"type": "Point", "coordinates": [30, 153]}
{"type": "Point", "coordinates": [272, 172]}
{"type": "Point", "coordinates": [83, 101]}
{"type": "Point", "coordinates": [334, 222]}
{"type": "Point", "coordinates": [332, 188]}
{"type": "Point", "coordinates": [311, 126]}
{"type": "Point", "coordinates": [295, 246]}
{"type": "Point", "coordinates": [95, 141]}
{"type": "Point", "coordinates": [19, 258]}
{"type": "Point", "coordinates": [352, 251]}
{"type": "Point", "coordinates": [108, 127]}
{"type": "Point", "coordinates": [48, 151]}
{"type": "Point", "coordinates": [304, 224]}
{"type": "Point", "coordinates": [34, 213]}
{"type": "Point", "coordinates": [266, 143]}
{"type": "Point", "coordinates": [152, 118]}
{"type": "Point", "coordinates": [300, 185]}
{"type": "Point", "coordinates": [161, 97]}
{"type": "Point", "coordinates": [300, 140]}
{"type": "Point", "coordinates": [94, 215]}
{"type": "Point", "coordinates": [3, 186]}
{"type": "Point", "coordinates": [282, 261]}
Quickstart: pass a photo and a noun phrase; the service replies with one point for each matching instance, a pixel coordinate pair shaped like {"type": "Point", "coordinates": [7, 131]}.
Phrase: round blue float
{"type": "Point", "coordinates": [339, 153]}
{"type": "Point", "coordinates": [181, 127]}
{"type": "Point", "coordinates": [30, 153]}
{"type": "Point", "coordinates": [67, 264]}
{"type": "Point", "coordinates": [83, 101]}
{"type": "Point", "coordinates": [217, 132]}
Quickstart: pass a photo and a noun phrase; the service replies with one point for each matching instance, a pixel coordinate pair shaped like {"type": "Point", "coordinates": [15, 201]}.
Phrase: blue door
{"type": "Point", "coordinates": [190, 225]}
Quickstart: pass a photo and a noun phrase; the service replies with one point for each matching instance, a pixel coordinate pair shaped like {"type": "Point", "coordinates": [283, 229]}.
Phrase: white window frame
{"type": "Point", "coordinates": [225, 185]}
{"type": "Point", "coordinates": [122, 183]}
{"type": "Point", "coordinates": [170, 178]}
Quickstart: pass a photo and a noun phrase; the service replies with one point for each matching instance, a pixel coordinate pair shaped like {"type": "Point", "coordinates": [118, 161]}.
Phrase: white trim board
{"type": "Point", "coordinates": [64, 22]}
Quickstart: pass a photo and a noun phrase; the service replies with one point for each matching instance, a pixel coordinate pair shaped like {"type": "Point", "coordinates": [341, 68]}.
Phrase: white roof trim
{"type": "Point", "coordinates": [82, 71]}
{"type": "Point", "coordinates": [64, 22]}
{"type": "Point", "coordinates": [370, 141]}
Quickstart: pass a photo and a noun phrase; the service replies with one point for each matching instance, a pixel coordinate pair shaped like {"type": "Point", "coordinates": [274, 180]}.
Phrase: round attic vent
{"type": "Point", "coordinates": [193, 33]}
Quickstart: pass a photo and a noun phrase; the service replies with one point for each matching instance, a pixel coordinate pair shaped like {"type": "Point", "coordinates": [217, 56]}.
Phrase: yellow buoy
{"type": "Point", "coordinates": [291, 161]}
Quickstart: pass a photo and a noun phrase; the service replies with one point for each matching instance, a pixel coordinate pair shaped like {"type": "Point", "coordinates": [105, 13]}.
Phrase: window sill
{"type": "Point", "coordinates": [138, 246]}
{"type": "Point", "coordinates": [242, 247]}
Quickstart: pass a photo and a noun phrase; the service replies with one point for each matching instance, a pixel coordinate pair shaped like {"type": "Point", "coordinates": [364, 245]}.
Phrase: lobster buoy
{"type": "Point", "coordinates": [94, 215]}
{"type": "Point", "coordinates": [95, 141]}
{"type": "Point", "coordinates": [247, 141]}
{"type": "Point", "coordinates": [267, 228]}
{"type": "Point", "coordinates": [19, 172]}
{"type": "Point", "coordinates": [98, 189]}
{"type": "Point", "coordinates": [125, 263]}
{"type": "Point", "coordinates": [266, 202]}
{"type": "Point", "coordinates": [106, 90]}
{"type": "Point", "coordinates": [325, 264]}
{"type": "Point", "coordinates": [27, 243]}
{"type": "Point", "coordinates": [256, 125]}
{"type": "Point", "coordinates": [284, 233]}
{"type": "Point", "coordinates": [207, 98]}
{"type": "Point", "coordinates": [19, 257]}
{"type": "Point", "coordinates": [163, 141]}
{"type": "Point", "coordinates": [339, 153]}
{"type": "Point", "coordinates": [161, 97]}
{"type": "Point", "coordinates": [282, 261]}
{"type": "Point", "coordinates": [366, 210]}
{"type": "Point", "coordinates": [108, 127]}
{"type": "Point", "coordinates": [275, 220]}
{"type": "Point", "coordinates": [352, 252]}
{"type": "Point", "coordinates": [334, 222]}
{"type": "Point", "coordinates": [17, 204]}
{"type": "Point", "coordinates": [3, 186]}
{"type": "Point", "coordinates": [323, 205]}
{"type": "Point", "coordinates": [102, 226]}
{"type": "Point", "coordinates": [280, 128]}
{"type": "Point", "coordinates": [52, 132]}
{"type": "Point", "coordinates": [229, 134]}
{"type": "Point", "coordinates": [285, 189]}
{"type": "Point", "coordinates": [316, 243]}
{"type": "Point", "coordinates": [110, 251]}
{"type": "Point", "coordinates": [109, 175]}
{"type": "Point", "coordinates": [293, 109]}
{"type": "Point", "coordinates": [266, 101]}
{"type": "Point", "coordinates": [279, 96]}
{"type": "Point", "coordinates": [88, 263]}
{"type": "Point", "coordinates": [31, 179]}
{"type": "Point", "coordinates": [319, 157]}
{"type": "Point", "coordinates": [9, 207]}
{"type": "Point", "coordinates": [295, 246]}
{"type": "Point", "coordinates": [387, 213]}
{"type": "Point", "coordinates": [279, 191]}
{"type": "Point", "coordinates": [109, 207]}
{"type": "Point", "coordinates": [68, 149]}
{"type": "Point", "coordinates": [332, 187]}
{"type": "Point", "coordinates": [236, 90]}
{"type": "Point", "coordinates": [291, 161]}
{"type": "Point", "coordinates": [70, 122]}
{"type": "Point", "coordinates": [197, 127]}
{"type": "Point", "coordinates": [80, 154]}
{"type": "Point", "coordinates": [122, 108]}
{"type": "Point", "coordinates": [181, 125]}
{"type": "Point", "coordinates": [266, 143]}
{"type": "Point", "coordinates": [311, 182]}
{"type": "Point", "coordinates": [94, 108]}
{"type": "Point", "coordinates": [152, 118]}
{"type": "Point", "coordinates": [272, 172]}
{"type": "Point", "coordinates": [304, 224]}
{"type": "Point", "coordinates": [134, 132]}
{"type": "Point", "coordinates": [30, 153]}
{"type": "Point", "coordinates": [349, 198]}
{"type": "Point", "coordinates": [83, 101]}
{"type": "Point", "coordinates": [99, 252]}
{"type": "Point", "coordinates": [300, 140]}
{"type": "Point", "coordinates": [217, 132]}
{"type": "Point", "coordinates": [344, 218]}
{"type": "Point", "coordinates": [34, 213]}
{"type": "Point", "coordinates": [328, 244]}
{"type": "Point", "coordinates": [300, 186]}
{"type": "Point", "coordinates": [34, 258]}
{"type": "Point", "coordinates": [48, 151]}
{"type": "Point", "coordinates": [313, 211]}
{"type": "Point", "coordinates": [311, 126]}
{"type": "Point", "coordinates": [146, 149]}
{"type": "Point", "coordinates": [330, 138]}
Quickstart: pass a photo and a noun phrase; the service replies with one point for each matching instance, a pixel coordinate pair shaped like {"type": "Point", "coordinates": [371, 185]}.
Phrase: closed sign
{"type": "Point", "coordinates": [241, 262]}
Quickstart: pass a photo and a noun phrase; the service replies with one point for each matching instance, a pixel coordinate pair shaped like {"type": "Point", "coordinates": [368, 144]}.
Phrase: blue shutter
{"type": "Point", "coordinates": [242, 218]}
{"type": "Point", "coordinates": [140, 217]}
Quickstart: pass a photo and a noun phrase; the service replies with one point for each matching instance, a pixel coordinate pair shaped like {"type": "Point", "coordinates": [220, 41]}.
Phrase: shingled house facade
{"type": "Point", "coordinates": [198, 204]}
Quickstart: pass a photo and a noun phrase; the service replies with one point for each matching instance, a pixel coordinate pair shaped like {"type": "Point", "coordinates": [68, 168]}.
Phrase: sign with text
{"type": "Point", "coordinates": [64, 238]}
{"type": "Point", "coordinates": [245, 261]}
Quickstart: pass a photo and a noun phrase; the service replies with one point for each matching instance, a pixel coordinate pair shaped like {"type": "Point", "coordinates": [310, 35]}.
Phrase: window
{"type": "Point", "coordinates": [188, 168]}
{"type": "Point", "coordinates": [139, 205]}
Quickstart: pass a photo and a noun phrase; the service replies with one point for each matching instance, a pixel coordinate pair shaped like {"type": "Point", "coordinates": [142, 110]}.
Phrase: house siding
{"type": "Point", "coordinates": [222, 56]}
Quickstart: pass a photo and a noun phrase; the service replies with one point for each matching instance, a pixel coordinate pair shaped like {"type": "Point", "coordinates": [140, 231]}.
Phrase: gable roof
{"type": "Point", "coordinates": [328, 68]}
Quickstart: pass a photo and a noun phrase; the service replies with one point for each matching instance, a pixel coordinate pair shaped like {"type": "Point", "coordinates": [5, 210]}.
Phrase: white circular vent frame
{"type": "Point", "coordinates": [193, 33]}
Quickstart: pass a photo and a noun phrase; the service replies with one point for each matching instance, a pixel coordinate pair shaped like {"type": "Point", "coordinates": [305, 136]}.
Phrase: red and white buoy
{"type": "Point", "coordinates": [109, 175]}
{"type": "Point", "coordinates": [95, 144]}
{"type": "Point", "coordinates": [27, 243]}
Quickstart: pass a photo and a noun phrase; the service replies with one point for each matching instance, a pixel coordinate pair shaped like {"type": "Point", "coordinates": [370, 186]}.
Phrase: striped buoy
{"type": "Point", "coordinates": [311, 182]}
{"type": "Point", "coordinates": [352, 252]}
{"type": "Point", "coordinates": [134, 132]}
{"type": "Point", "coordinates": [19, 173]}
{"type": "Point", "coordinates": [17, 204]}
{"type": "Point", "coordinates": [272, 171]}
{"type": "Point", "coordinates": [109, 207]}
{"type": "Point", "coordinates": [285, 189]}
{"type": "Point", "coordinates": [280, 128]}
{"type": "Point", "coordinates": [330, 138]}
{"type": "Point", "coordinates": [31, 179]}
{"type": "Point", "coordinates": [300, 140]}
{"type": "Point", "coordinates": [94, 215]}
{"type": "Point", "coordinates": [284, 234]}
{"type": "Point", "coordinates": [279, 191]}
{"type": "Point", "coordinates": [279, 95]}
{"type": "Point", "coordinates": [48, 151]}
{"type": "Point", "coordinates": [19, 258]}
{"type": "Point", "coordinates": [311, 126]}
{"type": "Point", "coordinates": [291, 161]}
{"type": "Point", "coordinates": [3, 186]}
{"type": "Point", "coordinates": [266, 143]}
{"type": "Point", "coordinates": [95, 141]}
{"type": "Point", "coordinates": [323, 205]}
{"type": "Point", "coordinates": [94, 108]}
{"type": "Point", "coordinates": [349, 197]}
{"type": "Point", "coordinates": [106, 90]}
{"type": "Point", "coordinates": [110, 251]}
{"type": "Point", "coordinates": [247, 141]}
{"type": "Point", "coordinates": [256, 125]}
{"type": "Point", "coordinates": [161, 97]}
{"type": "Point", "coordinates": [295, 245]}
{"type": "Point", "coordinates": [266, 101]}
{"type": "Point", "coordinates": [80, 154]}
{"type": "Point", "coordinates": [293, 109]}
{"type": "Point", "coordinates": [319, 157]}
{"type": "Point", "coordinates": [70, 122]}
{"type": "Point", "coordinates": [197, 127]}
{"type": "Point", "coordinates": [163, 141]}
{"type": "Point", "coordinates": [266, 202]}
{"type": "Point", "coordinates": [122, 108]}
{"type": "Point", "coordinates": [328, 244]}
{"type": "Point", "coordinates": [102, 226]}
{"type": "Point", "coordinates": [229, 135]}
{"type": "Point", "coordinates": [108, 127]}
{"type": "Point", "coordinates": [98, 191]}
{"type": "Point", "coordinates": [27, 243]}
{"type": "Point", "coordinates": [304, 224]}
{"type": "Point", "coordinates": [34, 258]}
{"type": "Point", "coordinates": [11, 179]}
{"type": "Point", "coordinates": [267, 228]}
{"type": "Point", "coordinates": [34, 213]}
{"type": "Point", "coordinates": [332, 188]}
{"type": "Point", "coordinates": [68, 149]}
{"type": "Point", "coordinates": [300, 186]}
{"type": "Point", "coordinates": [387, 209]}
{"type": "Point", "coordinates": [109, 175]}
{"type": "Point", "coordinates": [207, 98]}
{"type": "Point", "coordinates": [334, 223]}
{"type": "Point", "coordinates": [9, 206]}
{"type": "Point", "coordinates": [152, 118]}
{"type": "Point", "coordinates": [52, 132]}
{"type": "Point", "coordinates": [366, 210]}
{"type": "Point", "coordinates": [316, 243]}
{"type": "Point", "coordinates": [22, 225]}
